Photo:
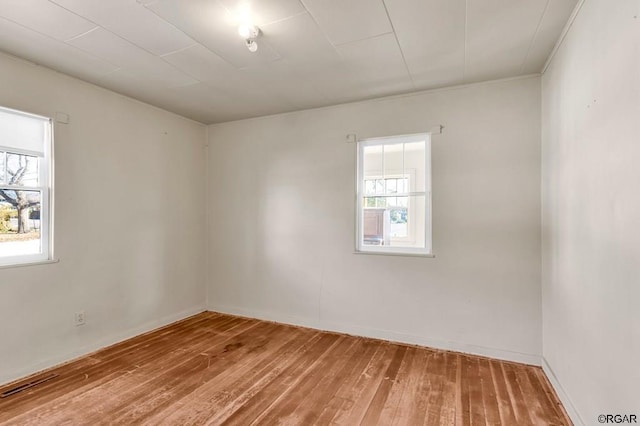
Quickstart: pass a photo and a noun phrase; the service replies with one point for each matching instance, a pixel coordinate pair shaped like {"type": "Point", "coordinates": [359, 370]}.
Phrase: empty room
{"type": "Point", "coordinates": [319, 212]}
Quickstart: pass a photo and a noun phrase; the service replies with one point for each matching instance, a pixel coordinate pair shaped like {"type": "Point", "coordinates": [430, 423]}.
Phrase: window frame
{"type": "Point", "coordinates": [360, 247]}
{"type": "Point", "coordinates": [45, 187]}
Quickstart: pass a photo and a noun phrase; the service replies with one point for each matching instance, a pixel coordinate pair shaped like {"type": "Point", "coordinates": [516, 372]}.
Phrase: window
{"type": "Point", "coordinates": [394, 195]}
{"type": "Point", "coordinates": [25, 192]}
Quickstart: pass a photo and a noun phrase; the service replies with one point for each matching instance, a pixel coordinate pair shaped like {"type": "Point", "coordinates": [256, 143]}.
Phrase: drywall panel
{"type": "Point", "coordinates": [591, 250]}
{"type": "Point", "coordinates": [377, 59]}
{"type": "Point", "coordinates": [46, 18]}
{"type": "Point", "coordinates": [41, 49]}
{"type": "Point", "coordinates": [133, 22]}
{"type": "Point", "coordinates": [129, 223]}
{"type": "Point", "coordinates": [431, 35]}
{"type": "Point", "coordinates": [113, 49]}
{"type": "Point", "coordinates": [498, 36]}
{"type": "Point", "coordinates": [344, 22]}
{"type": "Point", "coordinates": [282, 214]}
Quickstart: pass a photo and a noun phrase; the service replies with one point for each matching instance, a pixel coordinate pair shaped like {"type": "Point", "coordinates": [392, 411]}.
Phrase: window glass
{"type": "Point", "coordinates": [21, 170]}
{"type": "Point", "coordinates": [25, 144]}
{"type": "Point", "coordinates": [3, 160]}
{"type": "Point", "coordinates": [394, 195]}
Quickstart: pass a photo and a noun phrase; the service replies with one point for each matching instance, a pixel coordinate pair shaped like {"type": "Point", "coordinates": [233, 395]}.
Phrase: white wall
{"type": "Point", "coordinates": [124, 259]}
{"type": "Point", "coordinates": [281, 211]}
{"type": "Point", "coordinates": [591, 212]}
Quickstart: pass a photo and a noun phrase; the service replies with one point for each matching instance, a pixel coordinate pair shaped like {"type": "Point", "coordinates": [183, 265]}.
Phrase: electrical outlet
{"type": "Point", "coordinates": [80, 318]}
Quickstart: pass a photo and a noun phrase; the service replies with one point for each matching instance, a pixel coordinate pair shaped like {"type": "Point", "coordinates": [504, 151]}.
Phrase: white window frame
{"type": "Point", "coordinates": [45, 187]}
{"type": "Point", "coordinates": [360, 195]}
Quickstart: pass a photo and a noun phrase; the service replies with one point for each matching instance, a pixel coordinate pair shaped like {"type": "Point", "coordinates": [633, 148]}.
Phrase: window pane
{"type": "Point", "coordinates": [379, 186]}
{"type": "Point", "coordinates": [393, 160]}
{"type": "Point", "coordinates": [403, 185]}
{"type": "Point", "coordinates": [2, 167]}
{"type": "Point", "coordinates": [372, 162]}
{"type": "Point", "coordinates": [414, 161]}
{"type": "Point", "coordinates": [407, 223]}
{"type": "Point", "coordinates": [391, 186]}
{"type": "Point", "coordinates": [398, 222]}
{"type": "Point", "coordinates": [369, 186]}
{"type": "Point", "coordinates": [394, 221]}
{"type": "Point", "coordinates": [21, 170]}
{"type": "Point", "coordinates": [20, 222]}
{"type": "Point", "coordinates": [373, 226]}
{"type": "Point", "coordinates": [375, 202]}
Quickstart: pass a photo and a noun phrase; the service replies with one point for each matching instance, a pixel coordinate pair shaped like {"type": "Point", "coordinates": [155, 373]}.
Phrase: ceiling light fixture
{"type": "Point", "coordinates": [251, 45]}
{"type": "Point", "coordinates": [249, 33]}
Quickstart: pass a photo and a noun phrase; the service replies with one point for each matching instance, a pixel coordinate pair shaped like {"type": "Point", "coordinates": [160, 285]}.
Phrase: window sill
{"type": "Point", "coordinates": [20, 265]}
{"type": "Point", "coordinates": [376, 253]}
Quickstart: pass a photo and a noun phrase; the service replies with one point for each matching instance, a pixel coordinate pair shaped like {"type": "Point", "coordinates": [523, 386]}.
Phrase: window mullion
{"type": "Point", "coordinates": [399, 194]}
{"type": "Point", "coordinates": [22, 188]}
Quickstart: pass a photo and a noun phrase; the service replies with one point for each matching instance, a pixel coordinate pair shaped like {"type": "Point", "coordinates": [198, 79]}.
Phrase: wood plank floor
{"type": "Point", "coordinates": [220, 369]}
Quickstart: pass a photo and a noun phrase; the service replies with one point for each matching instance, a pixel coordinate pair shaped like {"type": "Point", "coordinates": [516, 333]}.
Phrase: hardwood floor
{"type": "Point", "coordinates": [220, 369]}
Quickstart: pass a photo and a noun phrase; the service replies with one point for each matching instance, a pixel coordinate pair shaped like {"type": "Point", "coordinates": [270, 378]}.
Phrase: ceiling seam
{"type": "Point", "coordinates": [81, 34]}
{"type": "Point", "coordinates": [362, 39]}
{"type": "Point", "coordinates": [198, 42]}
{"type": "Point", "coordinates": [99, 26]}
{"type": "Point", "coordinates": [404, 59]}
{"type": "Point", "coordinates": [277, 21]}
{"type": "Point", "coordinates": [195, 43]}
{"type": "Point", "coordinates": [535, 36]}
{"type": "Point", "coordinates": [326, 37]}
{"type": "Point", "coordinates": [140, 47]}
{"type": "Point", "coordinates": [116, 67]}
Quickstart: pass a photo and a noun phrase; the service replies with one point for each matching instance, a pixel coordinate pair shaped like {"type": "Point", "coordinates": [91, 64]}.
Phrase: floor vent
{"type": "Point", "coordinates": [28, 385]}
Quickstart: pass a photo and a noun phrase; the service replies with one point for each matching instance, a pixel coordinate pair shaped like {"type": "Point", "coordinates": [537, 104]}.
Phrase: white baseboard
{"type": "Point", "coordinates": [564, 398]}
{"type": "Point", "coordinates": [389, 335]}
{"type": "Point", "coordinates": [8, 377]}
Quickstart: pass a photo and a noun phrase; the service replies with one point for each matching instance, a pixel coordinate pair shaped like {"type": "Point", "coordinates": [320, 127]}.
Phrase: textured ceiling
{"type": "Point", "coordinates": [187, 57]}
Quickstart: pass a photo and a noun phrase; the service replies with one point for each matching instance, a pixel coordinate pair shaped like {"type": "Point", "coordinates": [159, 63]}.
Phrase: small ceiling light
{"type": "Point", "coordinates": [251, 45]}
{"type": "Point", "coordinates": [249, 33]}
